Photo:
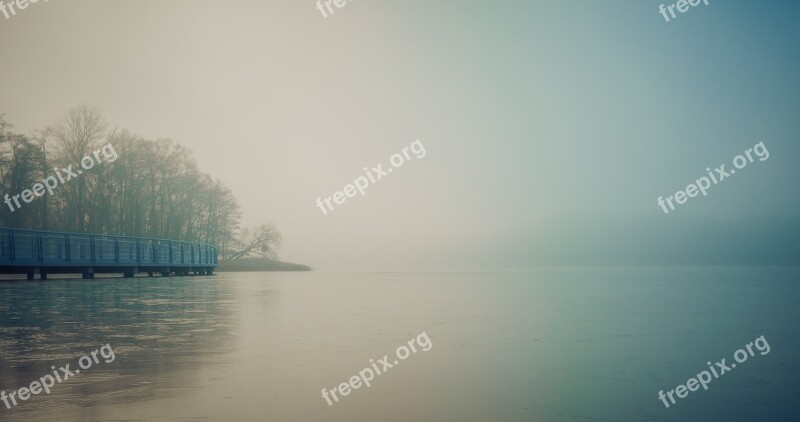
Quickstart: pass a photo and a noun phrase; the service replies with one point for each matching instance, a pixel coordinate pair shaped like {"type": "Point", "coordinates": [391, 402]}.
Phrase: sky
{"type": "Point", "coordinates": [550, 127]}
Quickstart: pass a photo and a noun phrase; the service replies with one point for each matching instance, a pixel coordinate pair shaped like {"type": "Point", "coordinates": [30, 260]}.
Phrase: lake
{"type": "Point", "coordinates": [504, 345]}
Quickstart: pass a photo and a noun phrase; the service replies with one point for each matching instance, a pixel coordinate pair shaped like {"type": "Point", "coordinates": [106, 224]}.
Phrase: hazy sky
{"type": "Point", "coordinates": [550, 127]}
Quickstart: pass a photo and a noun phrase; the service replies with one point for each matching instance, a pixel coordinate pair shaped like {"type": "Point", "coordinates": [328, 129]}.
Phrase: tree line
{"type": "Point", "coordinates": [153, 189]}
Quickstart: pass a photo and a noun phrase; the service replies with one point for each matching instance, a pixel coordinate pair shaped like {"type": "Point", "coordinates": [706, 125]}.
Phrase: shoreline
{"type": "Point", "coordinates": [258, 264]}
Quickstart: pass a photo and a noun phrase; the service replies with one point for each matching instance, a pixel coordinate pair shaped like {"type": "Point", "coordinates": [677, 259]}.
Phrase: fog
{"type": "Point", "coordinates": [550, 128]}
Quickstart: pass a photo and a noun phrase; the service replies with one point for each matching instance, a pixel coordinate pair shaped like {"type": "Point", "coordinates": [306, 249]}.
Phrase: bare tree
{"type": "Point", "coordinates": [153, 188]}
{"type": "Point", "coordinates": [261, 241]}
{"type": "Point", "coordinates": [77, 135]}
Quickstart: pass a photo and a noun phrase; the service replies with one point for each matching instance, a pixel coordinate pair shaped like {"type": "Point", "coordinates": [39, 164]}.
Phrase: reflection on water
{"type": "Point", "coordinates": [153, 324]}
{"type": "Point", "coordinates": [538, 345]}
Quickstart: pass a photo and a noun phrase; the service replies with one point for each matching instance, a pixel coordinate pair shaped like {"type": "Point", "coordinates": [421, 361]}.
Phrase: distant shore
{"type": "Point", "coordinates": [259, 264]}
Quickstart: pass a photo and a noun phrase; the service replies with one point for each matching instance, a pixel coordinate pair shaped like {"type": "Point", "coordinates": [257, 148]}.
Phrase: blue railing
{"type": "Point", "coordinates": [44, 248]}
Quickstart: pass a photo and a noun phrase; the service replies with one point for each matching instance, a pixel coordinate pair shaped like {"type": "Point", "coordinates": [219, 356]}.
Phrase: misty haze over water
{"type": "Point", "coordinates": [532, 187]}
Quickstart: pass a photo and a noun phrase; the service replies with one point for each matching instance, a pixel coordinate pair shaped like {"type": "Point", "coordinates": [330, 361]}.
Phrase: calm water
{"type": "Point", "coordinates": [543, 345]}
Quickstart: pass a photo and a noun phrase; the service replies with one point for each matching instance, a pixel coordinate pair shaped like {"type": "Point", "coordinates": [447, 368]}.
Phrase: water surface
{"type": "Point", "coordinates": [532, 345]}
